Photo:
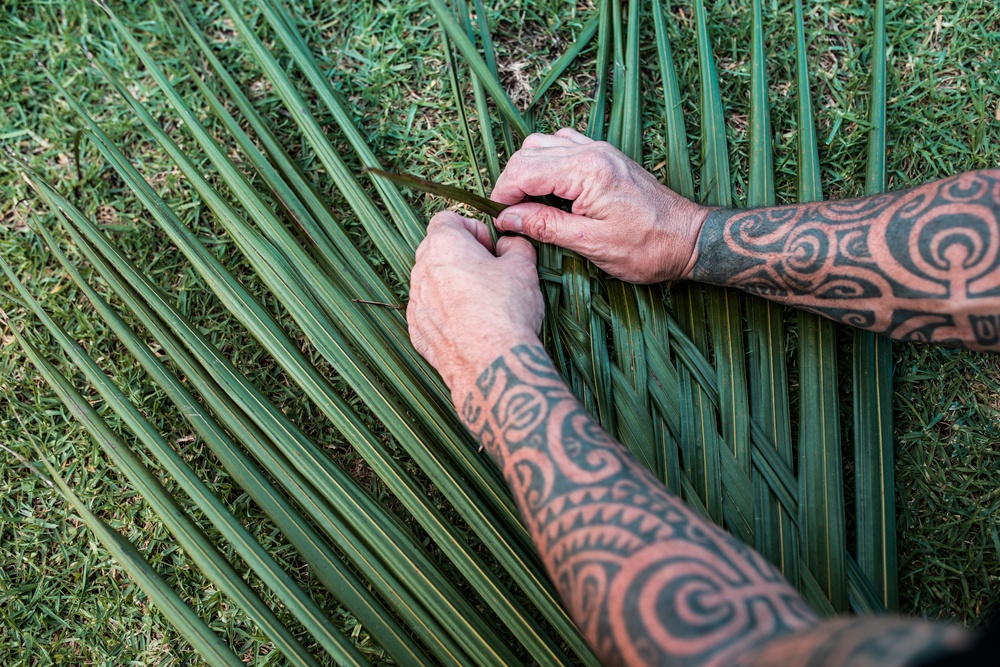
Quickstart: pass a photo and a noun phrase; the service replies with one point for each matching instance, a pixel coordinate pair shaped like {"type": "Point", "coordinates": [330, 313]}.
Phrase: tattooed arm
{"type": "Point", "coordinates": [920, 265]}
{"type": "Point", "coordinates": [647, 580]}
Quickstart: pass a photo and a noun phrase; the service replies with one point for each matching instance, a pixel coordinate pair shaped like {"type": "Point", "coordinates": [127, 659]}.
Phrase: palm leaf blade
{"type": "Point", "coordinates": [701, 400]}
{"type": "Point", "coordinates": [724, 314]}
{"type": "Point", "coordinates": [322, 333]}
{"type": "Point", "coordinates": [329, 571]}
{"type": "Point", "coordinates": [277, 274]}
{"type": "Point", "coordinates": [776, 536]}
{"type": "Point", "coordinates": [482, 204]}
{"type": "Point", "coordinates": [821, 510]}
{"type": "Point", "coordinates": [254, 408]}
{"type": "Point", "coordinates": [188, 535]}
{"type": "Point", "coordinates": [208, 645]}
{"type": "Point", "coordinates": [480, 67]}
{"type": "Point", "coordinates": [873, 440]}
{"type": "Point", "coordinates": [280, 21]}
{"type": "Point", "coordinates": [566, 59]}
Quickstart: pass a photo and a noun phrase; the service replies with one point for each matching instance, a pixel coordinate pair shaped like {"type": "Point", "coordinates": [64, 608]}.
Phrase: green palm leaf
{"type": "Point", "coordinates": [486, 74]}
{"type": "Point", "coordinates": [278, 433]}
{"type": "Point", "coordinates": [875, 478]}
{"type": "Point", "coordinates": [821, 513]}
{"type": "Point", "coordinates": [190, 538]}
{"type": "Point", "coordinates": [208, 645]}
{"type": "Point", "coordinates": [330, 571]}
{"type": "Point", "coordinates": [566, 59]}
{"type": "Point", "coordinates": [776, 536]}
{"type": "Point", "coordinates": [692, 380]}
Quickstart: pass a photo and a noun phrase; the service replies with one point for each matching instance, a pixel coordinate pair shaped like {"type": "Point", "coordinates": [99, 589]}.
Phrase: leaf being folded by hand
{"type": "Point", "coordinates": [487, 206]}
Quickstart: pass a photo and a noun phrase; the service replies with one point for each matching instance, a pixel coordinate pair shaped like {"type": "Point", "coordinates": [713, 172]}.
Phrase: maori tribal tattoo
{"type": "Point", "coordinates": [919, 265]}
{"type": "Point", "coordinates": [645, 579]}
{"type": "Point", "coordinates": [648, 581]}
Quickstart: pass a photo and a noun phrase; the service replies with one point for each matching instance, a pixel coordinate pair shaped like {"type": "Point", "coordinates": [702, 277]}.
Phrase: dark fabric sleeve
{"type": "Point", "coordinates": [985, 652]}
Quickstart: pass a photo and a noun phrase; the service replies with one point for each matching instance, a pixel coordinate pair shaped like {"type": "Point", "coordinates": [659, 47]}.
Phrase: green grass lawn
{"type": "Point", "coordinates": [64, 601]}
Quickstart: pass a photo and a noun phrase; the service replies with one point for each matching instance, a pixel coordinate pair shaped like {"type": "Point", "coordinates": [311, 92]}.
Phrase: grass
{"type": "Point", "coordinates": [63, 601]}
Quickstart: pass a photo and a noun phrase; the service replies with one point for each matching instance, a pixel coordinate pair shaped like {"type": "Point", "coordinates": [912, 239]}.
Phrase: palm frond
{"type": "Point", "coordinates": [189, 536]}
{"type": "Point", "coordinates": [560, 65]}
{"type": "Point", "coordinates": [692, 379]}
{"type": "Point", "coordinates": [776, 536]}
{"type": "Point", "coordinates": [208, 644]}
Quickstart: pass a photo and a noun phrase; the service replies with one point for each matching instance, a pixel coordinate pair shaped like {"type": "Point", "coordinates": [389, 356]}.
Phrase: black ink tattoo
{"type": "Point", "coordinates": [648, 581]}
{"type": "Point", "coordinates": [921, 265]}
{"type": "Point", "coordinates": [986, 329]}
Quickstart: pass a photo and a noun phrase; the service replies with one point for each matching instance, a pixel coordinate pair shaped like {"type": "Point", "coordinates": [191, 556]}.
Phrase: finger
{"type": "Point", "coordinates": [451, 219]}
{"type": "Point", "coordinates": [539, 140]}
{"type": "Point", "coordinates": [444, 219]}
{"type": "Point", "coordinates": [480, 231]}
{"type": "Point", "coordinates": [541, 172]}
{"type": "Point", "coordinates": [516, 249]}
{"type": "Point", "coordinates": [574, 136]}
{"type": "Point", "coordinates": [551, 225]}
{"type": "Point", "coordinates": [448, 229]}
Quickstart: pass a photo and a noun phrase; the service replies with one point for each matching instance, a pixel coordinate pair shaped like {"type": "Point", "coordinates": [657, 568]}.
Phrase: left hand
{"type": "Point", "coordinates": [623, 219]}
{"type": "Point", "coordinates": [468, 306]}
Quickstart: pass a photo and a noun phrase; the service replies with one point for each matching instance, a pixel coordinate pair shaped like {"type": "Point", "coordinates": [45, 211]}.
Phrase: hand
{"type": "Point", "coordinates": [467, 307]}
{"type": "Point", "coordinates": [623, 219]}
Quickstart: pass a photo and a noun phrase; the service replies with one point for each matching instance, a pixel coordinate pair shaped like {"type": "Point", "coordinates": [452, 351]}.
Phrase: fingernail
{"type": "Point", "coordinates": [511, 222]}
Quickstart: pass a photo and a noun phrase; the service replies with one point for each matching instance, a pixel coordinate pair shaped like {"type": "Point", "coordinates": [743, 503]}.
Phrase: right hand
{"type": "Point", "coordinates": [623, 219]}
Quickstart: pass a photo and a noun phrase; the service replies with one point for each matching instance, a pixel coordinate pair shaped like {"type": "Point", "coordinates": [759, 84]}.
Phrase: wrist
{"type": "Point", "coordinates": [462, 376]}
{"type": "Point", "coordinates": [679, 223]}
{"type": "Point", "coordinates": [707, 225]}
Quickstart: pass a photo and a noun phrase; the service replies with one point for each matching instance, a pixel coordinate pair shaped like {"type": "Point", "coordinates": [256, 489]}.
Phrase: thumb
{"type": "Point", "coordinates": [549, 225]}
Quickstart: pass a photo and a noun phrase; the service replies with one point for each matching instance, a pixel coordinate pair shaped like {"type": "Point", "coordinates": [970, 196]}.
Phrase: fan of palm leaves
{"type": "Point", "coordinates": [692, 379]}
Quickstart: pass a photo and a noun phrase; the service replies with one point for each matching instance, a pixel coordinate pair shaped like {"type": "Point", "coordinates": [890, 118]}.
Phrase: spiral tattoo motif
{"type": "Point", "coordinates": [908, 258]}
{"type": "Point", "coordinates": [646, 580]}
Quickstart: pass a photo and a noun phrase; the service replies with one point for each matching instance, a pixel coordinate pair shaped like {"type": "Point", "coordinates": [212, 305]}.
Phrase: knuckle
{"type": "Point", "coordinates": [519, 246]}
{"type": "Point", "coordinates": [514, 163]}
{"type": "Point", "coordinates": [602, 147]}
{"type": "Point", "coordinates": [442, 219]}
{"type": "Point", "coordinates": [528, 258]}
{"type": "Point", "coordinates": [419, 254]}
{"type": "Point", "coordinates": [511, 173]}
{"type": "Point", "coordinates": [605, 162]}
{"type": "Point", "coordinates": [532, 140]}
{"type": "Point", "coordinates": [597, 158]}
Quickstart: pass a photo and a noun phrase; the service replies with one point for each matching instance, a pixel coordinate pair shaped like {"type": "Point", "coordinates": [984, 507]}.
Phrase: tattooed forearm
{"type": "Point", "coordinates": [648, 581]}
{"type": "Point", "coordinates": [919, 265]}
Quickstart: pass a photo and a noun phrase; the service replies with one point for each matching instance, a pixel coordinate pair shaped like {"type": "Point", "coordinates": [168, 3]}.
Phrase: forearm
{"type": "Point", "coordinates": [646, 579]}
{"type": "Point", "coordinates": [920, 265]}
